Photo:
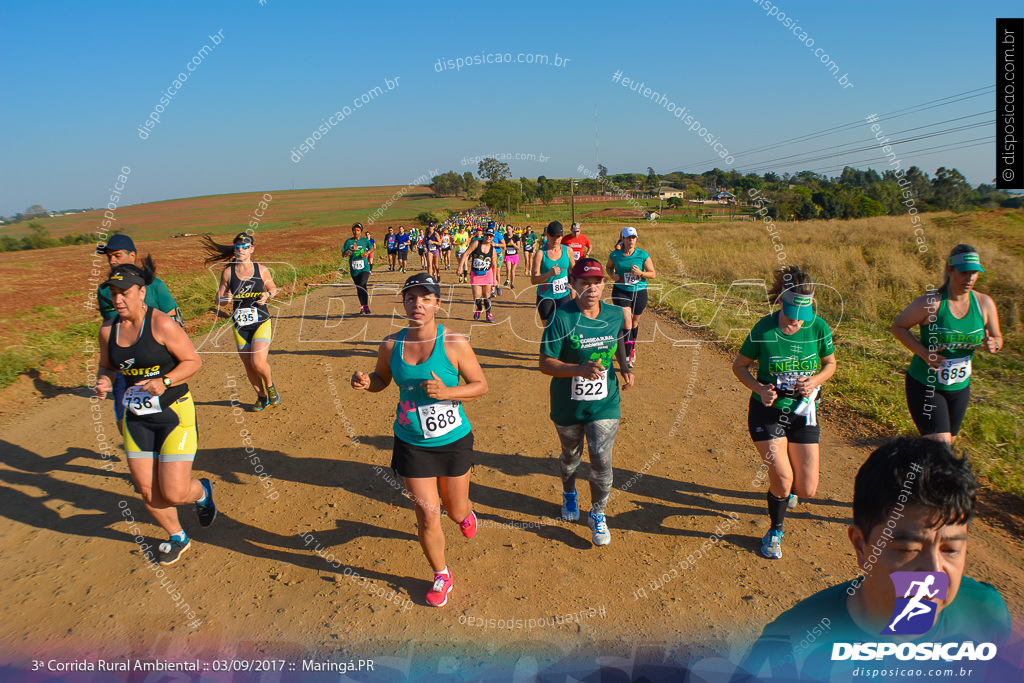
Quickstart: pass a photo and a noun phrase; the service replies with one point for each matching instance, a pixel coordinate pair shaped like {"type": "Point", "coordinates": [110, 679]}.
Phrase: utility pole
{"type": "Point", "coordinates": [572, 197]}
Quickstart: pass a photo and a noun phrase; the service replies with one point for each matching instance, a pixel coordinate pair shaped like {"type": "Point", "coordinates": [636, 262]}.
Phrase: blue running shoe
{"type": "Point", "coordinates": [207, 510]}
{"type": "Point", "coordinates": [771, 545]}
{"type": "Point", "coordinates": [601, 534]}
{"type": "Point", "coordinates": [570, 507]}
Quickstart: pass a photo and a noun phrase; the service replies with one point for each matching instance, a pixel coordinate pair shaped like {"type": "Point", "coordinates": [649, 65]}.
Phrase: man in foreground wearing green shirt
{"type": "Point", "coordinates": [913, 500]}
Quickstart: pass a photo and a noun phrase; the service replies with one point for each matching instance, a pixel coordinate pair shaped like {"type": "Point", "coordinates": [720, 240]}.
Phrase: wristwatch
{"type": "Point", "coordinates": [167, 381]}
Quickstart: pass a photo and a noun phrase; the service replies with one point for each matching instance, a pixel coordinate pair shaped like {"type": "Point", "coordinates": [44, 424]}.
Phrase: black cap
{"type": "Point", "coordinates": [243, 238]}
{"type": "Point", "coordinates": [357, 224]}
{"type": "Point", "coordinates": [117, 242]}
{"type": "Point", "coordinates": [554, 228]}
{"type": "Point", "coordinates": [423, 280]}
{"type": "Point", "coordinates": [124, 277]}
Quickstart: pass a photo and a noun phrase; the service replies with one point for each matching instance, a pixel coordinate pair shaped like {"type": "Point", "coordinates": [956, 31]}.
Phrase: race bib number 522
{"type": "Point", "coordinates": [584, 389]}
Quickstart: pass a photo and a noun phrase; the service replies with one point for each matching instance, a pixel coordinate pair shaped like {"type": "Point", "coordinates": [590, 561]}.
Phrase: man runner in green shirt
{"type": "Point", "coordinates": [913, 500]}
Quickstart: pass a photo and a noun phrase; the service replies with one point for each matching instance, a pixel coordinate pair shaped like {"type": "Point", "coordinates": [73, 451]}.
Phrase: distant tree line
{"type": "Point", "coordinates": [802, 196]}
{"type": "Point", "coordinates": [39, 238]}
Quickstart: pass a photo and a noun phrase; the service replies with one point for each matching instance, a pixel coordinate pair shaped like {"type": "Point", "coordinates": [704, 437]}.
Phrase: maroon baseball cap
{"type": "Point", "coordinates": [587, 267]}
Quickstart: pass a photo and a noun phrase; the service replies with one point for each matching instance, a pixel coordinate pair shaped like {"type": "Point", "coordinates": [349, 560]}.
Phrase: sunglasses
{"type": "Point", "coordinates": [243, 246]}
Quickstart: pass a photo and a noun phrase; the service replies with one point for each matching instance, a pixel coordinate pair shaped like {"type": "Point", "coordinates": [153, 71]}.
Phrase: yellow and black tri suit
{"type": "Point", "coordinates": [162, 426]}
{"type": "Point", "coordinates": [252, 320]}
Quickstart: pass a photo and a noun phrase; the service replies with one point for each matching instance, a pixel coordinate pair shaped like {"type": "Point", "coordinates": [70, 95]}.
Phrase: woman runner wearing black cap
{"type": "Point", "coordinates": [157, 359]}
{"type": "Point", "coordinates": [551, 268]}
{"type": "Point", "coordinates": [433, 448]}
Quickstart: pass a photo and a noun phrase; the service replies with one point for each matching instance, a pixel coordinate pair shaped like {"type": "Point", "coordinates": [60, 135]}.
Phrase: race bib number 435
{"type": "Point", "coordinates": [141, 402]}
{"type": "Point", "coordinates": [246, 316]}
{"type": "Point", "coordinates": [438, 419]}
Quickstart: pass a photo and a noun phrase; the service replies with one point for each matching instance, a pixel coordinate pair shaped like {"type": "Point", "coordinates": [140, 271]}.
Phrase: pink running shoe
{"type": "Point", "coordinates": [437, 596]}
{"type": "Point", "coordinates": [490, 318]}
{"type": "Point", "coordinates": [468, 525]}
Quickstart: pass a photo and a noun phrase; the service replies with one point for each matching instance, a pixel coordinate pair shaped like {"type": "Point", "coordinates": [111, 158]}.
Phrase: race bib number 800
{"type": "Point", "coordinates": [438, 419]}
{"type": "Point", "coordinates": [560, 286]}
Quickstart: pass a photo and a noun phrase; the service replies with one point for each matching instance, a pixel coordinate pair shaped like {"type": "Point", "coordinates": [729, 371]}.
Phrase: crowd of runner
{"type": "Point", "coordinates": [147, 361]}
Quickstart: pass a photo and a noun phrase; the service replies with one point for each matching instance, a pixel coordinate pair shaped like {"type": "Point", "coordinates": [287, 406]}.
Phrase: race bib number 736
{"type": "Point", "coordinates": [141, 402]}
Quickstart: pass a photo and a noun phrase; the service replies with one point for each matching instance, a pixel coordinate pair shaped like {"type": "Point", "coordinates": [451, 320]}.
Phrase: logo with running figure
{"type": "Point", "coordinates": [914, 612]}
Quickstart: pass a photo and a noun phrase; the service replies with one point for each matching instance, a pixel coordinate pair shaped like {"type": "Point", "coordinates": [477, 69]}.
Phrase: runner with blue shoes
{"type": "Point", "coordinates": [577, 351]}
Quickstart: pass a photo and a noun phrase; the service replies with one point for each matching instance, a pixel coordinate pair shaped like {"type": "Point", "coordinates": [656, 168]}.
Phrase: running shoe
{"type": "Point", "coordinates": [437, 596]}
{"type": "Point", "coordinates": [600, 528]}
{"type": "Point", "coordinates": [771, 545]}
{"type": "Point", "coordinates": [497, 291]}
{"type": "Point", "coordinates": [512, 287]}
{"type": "Point", "coordinates": [506, 283]}
{"type": "Point", "coordinates": [261, 403]}
{"type": "Point", "coordinates": [366, 309]}
{"type": "Point", "coordinates": [273, 395]}
{"type": "Point", "coordinates": [793, 501]}
{"type": "Point", "coordinates": [171, 550]}
{"type": "Point", "coordinates": [468, 525]}
{"type": "Point", "coordinates": [490, 318]}
{"type": "Point", "coordinates": [403, 271]}
{"type": "Point", "coordinates": [476, 315]}
{"type": "Point", "coordinates": [206, 511]}
{"type": "Point", "coordinates": [570, 507]}
{"type": "Point", "coordinates": [447, 267]}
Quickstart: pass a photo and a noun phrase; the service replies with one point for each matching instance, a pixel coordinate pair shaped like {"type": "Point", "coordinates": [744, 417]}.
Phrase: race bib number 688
{"type": "Point", "coordinates": [438, 419]}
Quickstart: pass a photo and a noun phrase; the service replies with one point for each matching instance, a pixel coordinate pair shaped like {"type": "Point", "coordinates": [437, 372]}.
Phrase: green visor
{"type": "Point", "coordinates": [966, 262]}
{"type": "Point", "coordinates": [797, 306]}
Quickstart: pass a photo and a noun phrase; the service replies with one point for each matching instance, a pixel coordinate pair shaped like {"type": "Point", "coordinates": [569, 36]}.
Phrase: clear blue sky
{"type": "Point", "coordinates": [79, 78]}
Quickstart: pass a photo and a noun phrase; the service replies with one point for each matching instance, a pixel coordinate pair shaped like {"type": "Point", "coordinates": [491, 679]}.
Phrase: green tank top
{"type": "Point", "coordinates": [557, 286]}
{"type": "Point", "coordinates": [954, 340]}
{"type": "Point", "coordinates": [419, 419]}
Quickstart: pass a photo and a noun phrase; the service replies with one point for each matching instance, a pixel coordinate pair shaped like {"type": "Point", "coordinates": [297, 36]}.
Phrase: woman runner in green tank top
{"type": "Point", "coordinates": [954, 321]}
{"type": "Point", "coordinates": [433, 440]}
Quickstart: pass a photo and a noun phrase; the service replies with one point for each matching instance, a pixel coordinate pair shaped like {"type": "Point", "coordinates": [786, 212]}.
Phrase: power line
{"type": "Point", "coordinates": [906, 111]}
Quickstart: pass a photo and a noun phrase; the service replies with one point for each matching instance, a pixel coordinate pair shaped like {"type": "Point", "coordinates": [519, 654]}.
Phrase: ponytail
{"type": "Point", "coordinates": [217, 253]}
